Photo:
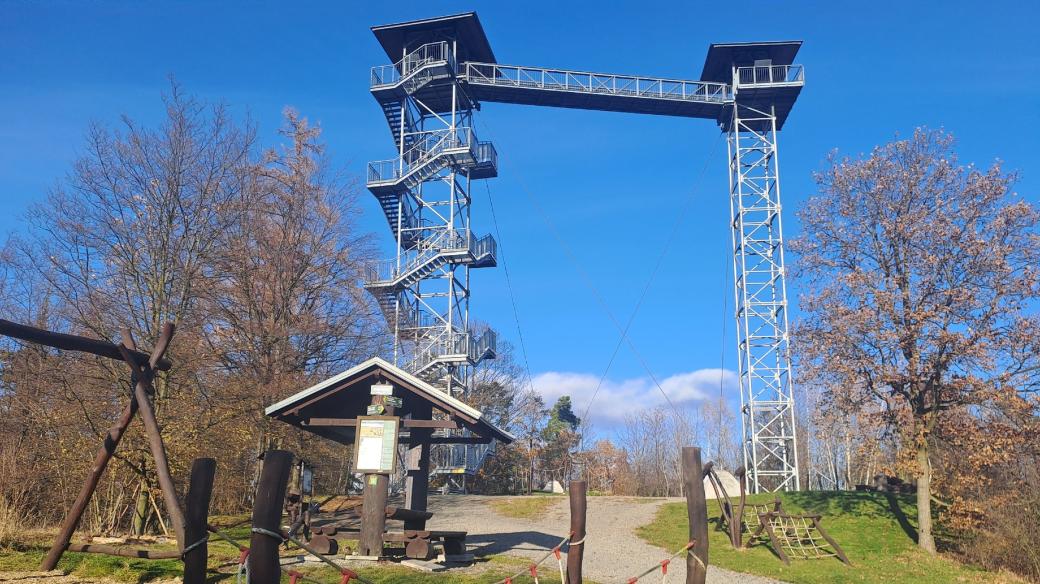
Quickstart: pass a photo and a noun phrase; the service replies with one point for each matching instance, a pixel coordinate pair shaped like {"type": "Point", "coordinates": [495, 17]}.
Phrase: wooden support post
{"type": "Point", "coordinates": [576, 491]}
{"type": "Point", "coordinates": [417, 481]}
{"type": "Point", "coordinates": [104, 454]}
{"type": "Point", "coordinates": [373, 503]}
{"type": "Point", "coordinates": [697, 511]}
{"type": "Point", "coordinates": [142, 388]}
{"type": "Point", "coordinates": [741, 475]}
{"type": "Point", "coordinates": [267, 515]}
{"type": "Point", "coordinates": [196, 516]}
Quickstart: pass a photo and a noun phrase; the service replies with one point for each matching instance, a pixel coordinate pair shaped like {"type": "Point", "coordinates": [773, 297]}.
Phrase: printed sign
{"type": "Point", "coordinates": [394, 402]}
{"type": "Point", "coordinates": [382, 389]}
{"type": "Point", "coordinates": [375, 410]}
{"type": "Point", "coordinates": [375, 445]}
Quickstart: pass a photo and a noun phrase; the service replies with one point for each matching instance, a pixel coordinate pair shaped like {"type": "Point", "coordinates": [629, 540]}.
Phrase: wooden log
{"type": "Point", "coordinates": [417, 474]}
{"type": "Point", "coordinates": [741, 475]}
{"type": "Point", "coordinates": [576, 492]}
{"type": "Point", "coordinates": [200, 489]}
{"type": "Point", "coordinates": [108, 550]}
{"type": "Point", "coordinates": [142, 389]}
{"type": "Point", "coordinates": [74, 343]}
{"type": "Point", "coordinates": [830, 540]}
{"type": "Point", "coordinates": [697, 512]}
{"type": "Point", "coordinates": [373, 504]}
{"type": "Point", "coordinates": [323, 544]}
{"type": "Point", "coordinates": [267, 515]}
{"type": "Point", "coordinates": [104, 454]}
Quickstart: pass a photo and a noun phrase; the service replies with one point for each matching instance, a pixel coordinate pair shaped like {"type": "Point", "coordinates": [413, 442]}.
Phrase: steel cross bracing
{"type": "Point", "coordinates": [428, 98]}
{"type": "Point", "coordinates": [424, 290]}
{"type": "Point", "coordinates": [767, 401]}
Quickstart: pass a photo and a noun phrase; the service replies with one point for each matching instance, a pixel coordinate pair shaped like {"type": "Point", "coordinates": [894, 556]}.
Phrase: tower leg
{"type": "Point", "coordinates": [767, 401]}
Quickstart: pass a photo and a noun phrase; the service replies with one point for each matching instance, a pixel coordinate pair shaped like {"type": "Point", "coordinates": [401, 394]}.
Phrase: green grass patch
{"type": "Point", "coordinates": [875, 531]}
{"type": "Point", "coordinates": [530, 507]}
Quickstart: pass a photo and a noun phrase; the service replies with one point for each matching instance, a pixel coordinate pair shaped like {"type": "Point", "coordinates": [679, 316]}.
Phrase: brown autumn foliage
{"type": "Point", "coordinates": [255, 258]}
{"type": "Point", "coordinates": [921, 277]}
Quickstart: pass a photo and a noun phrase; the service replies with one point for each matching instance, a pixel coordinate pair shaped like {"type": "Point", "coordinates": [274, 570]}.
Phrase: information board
{"type": "Point", "coordinates": [375, 445]}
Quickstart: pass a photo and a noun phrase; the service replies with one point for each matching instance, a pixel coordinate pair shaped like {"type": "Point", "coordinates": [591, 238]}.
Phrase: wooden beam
{"type": "Point", "coordinates": [74, 343]}
{"type": "Point", "coordinates": [108, 550]}
{"type": "Point", "coordinates": [407, 423]}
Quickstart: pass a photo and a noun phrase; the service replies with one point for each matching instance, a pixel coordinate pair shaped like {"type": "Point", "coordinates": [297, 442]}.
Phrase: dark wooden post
{"type": "Point", "coordinates": [267, 515]}
{"type": "Point", "coordinates": [104, 454]}
{"type": "Point", "coordinates": [417, 481]}
{"type": "Point", "coordinates": [697, 511]}
{"type": "Point", "coordinates": [576, 491]}
{"type": "Point", "coordinates": [196, 516]}
{"type": "Point", "coordinates": [373, 502]}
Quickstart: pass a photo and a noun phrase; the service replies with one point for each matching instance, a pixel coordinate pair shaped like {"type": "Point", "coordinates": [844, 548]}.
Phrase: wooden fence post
{"type": "Point", "coordinates": [576, 491]}
{"type": "Point", "coordinates": [267, 515]}
{"type": "Point", "coordinates": [697, 511]}
{"type": "Point", "coordinates": [196, 516]}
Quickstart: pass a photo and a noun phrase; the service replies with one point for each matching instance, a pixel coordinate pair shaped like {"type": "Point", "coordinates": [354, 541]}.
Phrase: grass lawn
{"type": "Point", "coordinates": [523, 507]}
{"type": "Point", "coordinates": [875, 531]}
{"type": "Point", "coordinates": [223, 565]}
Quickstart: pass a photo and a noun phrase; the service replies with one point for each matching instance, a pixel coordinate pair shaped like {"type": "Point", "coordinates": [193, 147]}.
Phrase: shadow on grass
{"type": "Point", "coordinates": [897, 512]}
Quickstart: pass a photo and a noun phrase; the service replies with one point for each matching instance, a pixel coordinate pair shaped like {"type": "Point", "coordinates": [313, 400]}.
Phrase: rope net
{"type": "Point", "coordinates": [800, 537]}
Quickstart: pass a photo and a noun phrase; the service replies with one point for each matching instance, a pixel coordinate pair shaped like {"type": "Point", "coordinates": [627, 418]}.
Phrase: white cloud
{"type": "Point", "coordinates": [616, 398]}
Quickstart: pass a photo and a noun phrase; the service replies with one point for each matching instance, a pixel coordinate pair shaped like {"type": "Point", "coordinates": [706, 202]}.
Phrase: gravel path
{"type": "Point", "coordinates": [613, 551]}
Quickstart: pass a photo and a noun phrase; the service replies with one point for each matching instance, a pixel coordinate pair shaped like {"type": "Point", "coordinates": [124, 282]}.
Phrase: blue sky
{"type": "Point", "coordinates": [610, 184]}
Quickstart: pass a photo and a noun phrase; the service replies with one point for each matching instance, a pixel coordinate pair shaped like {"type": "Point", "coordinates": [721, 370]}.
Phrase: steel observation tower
{"type": "Point", "coordinates": [443, 68]}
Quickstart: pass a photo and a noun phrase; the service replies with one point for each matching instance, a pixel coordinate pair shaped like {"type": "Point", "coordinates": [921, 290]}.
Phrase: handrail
{"type": "Point", "coordinates": [428, 145]}
{"type": "Point", "coordinates": [597, 83]}
{"type": "Point", "coordinates": [438, 52]}
{"type": "Point", "coordinates": [770, 75]}
{"type": "Point", "coordinates": [450, 240]}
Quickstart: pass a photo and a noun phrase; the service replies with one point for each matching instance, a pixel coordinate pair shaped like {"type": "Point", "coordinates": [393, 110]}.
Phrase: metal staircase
{"type": "Point", "coordinates": [423, 291]}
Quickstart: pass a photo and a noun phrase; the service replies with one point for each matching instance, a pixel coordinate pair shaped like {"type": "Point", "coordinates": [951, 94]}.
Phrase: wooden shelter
{"type": "Point", "coordinates": [392, 405]}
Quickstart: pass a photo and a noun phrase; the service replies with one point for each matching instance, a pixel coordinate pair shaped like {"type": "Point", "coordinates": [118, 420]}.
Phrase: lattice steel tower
{"type": "Point", "coordinates": [443, 68]}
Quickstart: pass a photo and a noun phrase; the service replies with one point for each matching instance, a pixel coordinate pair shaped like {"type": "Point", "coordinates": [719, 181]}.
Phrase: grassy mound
{"type": "Point", "coordinates": [876, 531]}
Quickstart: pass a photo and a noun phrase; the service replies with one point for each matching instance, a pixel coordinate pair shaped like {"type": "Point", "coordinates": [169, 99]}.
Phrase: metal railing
{"type": "Point", "coordinates": [770, 75]}
{"type": "Point", "coordinates": [488, 342]}
{"type": "Point", "coordinates": [427, 145]}
{"type": "Point", "coordinates": [446, 241]}
{"type": "Point", "coordinates": [596, 83]}
{"type": "Point", "coordinates": [424, 55]}
{"type": "Point", "coordinates": [486, 154]}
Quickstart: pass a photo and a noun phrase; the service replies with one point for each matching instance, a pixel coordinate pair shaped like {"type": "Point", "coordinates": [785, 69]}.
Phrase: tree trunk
{"type": "Point", "coordinates": [141, 511]}
{"type": "Point", "coordinates": [924, 497]}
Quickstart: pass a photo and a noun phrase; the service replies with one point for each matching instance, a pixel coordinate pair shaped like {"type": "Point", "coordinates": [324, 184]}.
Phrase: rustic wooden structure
{"type": "Point", "coordinates": [730, 520]}
{"type": "Point", "coordinates": [424, 416]}
{"type": "Point", "coordinates": [697, 512]}
{"type": "Point", "coordinates": [143, 367]}
{"type": "Point", "coordinates": [798, 536]}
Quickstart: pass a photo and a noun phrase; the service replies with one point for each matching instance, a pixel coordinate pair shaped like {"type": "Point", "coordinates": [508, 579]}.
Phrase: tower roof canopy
{"type": "Point", "coordinates": [464, 28]}
{"type": "Point", "coordinates": [718, 65]}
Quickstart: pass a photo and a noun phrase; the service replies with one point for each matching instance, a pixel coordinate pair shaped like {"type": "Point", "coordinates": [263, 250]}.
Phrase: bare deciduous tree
{"type": "Point", "coordinates": [918, 274]}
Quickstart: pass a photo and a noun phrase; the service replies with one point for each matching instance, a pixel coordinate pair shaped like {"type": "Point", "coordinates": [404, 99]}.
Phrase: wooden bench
{"type": "Point", "coordinates": [418, 544]}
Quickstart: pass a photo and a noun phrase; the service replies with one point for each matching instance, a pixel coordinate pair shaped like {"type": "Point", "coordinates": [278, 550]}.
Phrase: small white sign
{"type": "Point", "coordinates": [382, 389]}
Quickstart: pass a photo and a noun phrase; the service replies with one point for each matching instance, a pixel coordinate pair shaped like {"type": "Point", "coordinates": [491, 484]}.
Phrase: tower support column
{"type": "Point", "coordinates": [769, 444]}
